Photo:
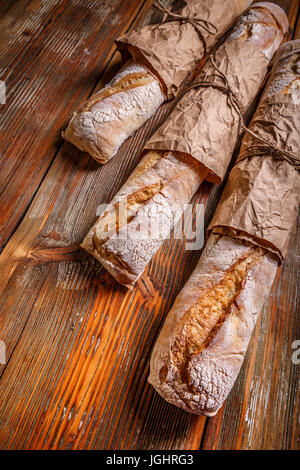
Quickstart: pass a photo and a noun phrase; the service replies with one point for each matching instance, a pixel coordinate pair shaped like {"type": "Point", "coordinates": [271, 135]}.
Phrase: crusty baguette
{"type": "Point", "coordinates": [165, 181]}
{"type": "Point", "coordinates": [111, 115]}
{"type": "Point", "coordinates": [265, 24]}
{"type": "Point", "coordinates": [105, 121]}
{"type": "Point", "coordinates": [202, 345]}
{"type": "Point", "coordinates": [154, 197]}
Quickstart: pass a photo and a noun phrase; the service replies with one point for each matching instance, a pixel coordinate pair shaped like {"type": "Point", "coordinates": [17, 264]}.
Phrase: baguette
{"type": "Point", "coordinates": [165, 181]}
{"type": "Point", "coordinates": [203, 342]}
{"type": "Point", "coordinates": [201, 347]}
{"type": "Point", "coordinates": [110, 116]}
{"type": "Point", "coordinates": [105, 121]}
{"type": "Point", "coordinates": [154, 197]}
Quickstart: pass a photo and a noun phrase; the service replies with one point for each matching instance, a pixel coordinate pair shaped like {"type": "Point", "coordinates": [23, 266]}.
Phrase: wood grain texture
{"type": "Point", "coordinates": [78, 344]}
{"type": "Point", "coordinates": [51, 56]}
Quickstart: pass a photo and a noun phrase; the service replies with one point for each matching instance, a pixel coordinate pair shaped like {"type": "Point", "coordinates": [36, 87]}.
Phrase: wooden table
{"type": "Point", "coordinates": [78, 344]}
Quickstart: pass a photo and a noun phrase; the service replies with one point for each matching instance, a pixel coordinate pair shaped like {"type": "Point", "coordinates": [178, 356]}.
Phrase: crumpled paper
{"type": "Point", "coordinates": [204, 124]}
{"type": "Point", "coordinates": [172, 50]}
{"type": "Point", "coordinates": [261, 198]}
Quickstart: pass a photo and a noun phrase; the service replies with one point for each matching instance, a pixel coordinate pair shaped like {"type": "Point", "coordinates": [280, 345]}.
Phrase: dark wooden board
{"type": "Point", "coordinates": [78, 345]}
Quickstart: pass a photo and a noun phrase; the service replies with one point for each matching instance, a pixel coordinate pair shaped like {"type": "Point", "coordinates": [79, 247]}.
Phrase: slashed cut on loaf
{"type": "Point", "coordinates": [115, 112]}
{"type": "Point", "coordinates": [202, 345]}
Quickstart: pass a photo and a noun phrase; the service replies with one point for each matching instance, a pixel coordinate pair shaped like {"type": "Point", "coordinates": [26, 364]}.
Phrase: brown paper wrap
{"type": "Point", "coordinates": [261, 199]}
{"type": "Point", "coordinates": [204, 124]}
{"type": "Point", "coordinates": [172, 50]}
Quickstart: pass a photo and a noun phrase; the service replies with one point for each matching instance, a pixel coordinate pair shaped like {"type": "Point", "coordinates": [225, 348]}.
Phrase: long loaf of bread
{"type": "Point", "coordinates": [148, 205]}
{"type": "Point", "coordinates": [200, 349]}
{"type": "Point", "coordinates": [164, 181]}
{"type": "Point", "coordinates": [110, 116]}
{"type": "Point", "coordinates": [203, 342]}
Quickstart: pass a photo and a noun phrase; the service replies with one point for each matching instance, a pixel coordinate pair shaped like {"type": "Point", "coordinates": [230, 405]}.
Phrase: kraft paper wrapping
{"type": "Point", "coordinates": [172, 50]}
{"type": "Point", "coordinates": [203, 124]}
{"type": "Point", "coordinates": [261, 199]}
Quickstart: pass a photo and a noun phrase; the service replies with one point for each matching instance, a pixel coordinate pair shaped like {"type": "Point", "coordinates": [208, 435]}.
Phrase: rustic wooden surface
{"type": "Point", "coordinates": [78, 345]}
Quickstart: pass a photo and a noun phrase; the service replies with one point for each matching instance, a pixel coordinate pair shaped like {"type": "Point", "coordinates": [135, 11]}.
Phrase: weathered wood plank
{"type": "Point", "coordinates": [32, 255]}
{"type": "Point", "coordinates": [40, 44]}
{"type": "Point", "coordinates": [78, 345]}
{"type": "Point", "coordinates": [62, 289]}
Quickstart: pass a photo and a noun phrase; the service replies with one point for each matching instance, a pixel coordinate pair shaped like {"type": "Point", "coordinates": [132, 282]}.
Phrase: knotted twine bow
{"type": "Point", "coordinates": [197, 23]}
{"type": "Point", "coordinates": [266, 148]}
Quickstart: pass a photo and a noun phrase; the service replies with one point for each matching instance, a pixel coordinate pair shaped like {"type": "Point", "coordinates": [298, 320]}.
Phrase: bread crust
{"type": "Point", "coordinates": [265, 16]}
{"type": "Point", "coordinates": [111, 115]}
{"type": "Point", "coordinates": [154, 196]}
{"type": "Point", "coordinates": [194, 364]}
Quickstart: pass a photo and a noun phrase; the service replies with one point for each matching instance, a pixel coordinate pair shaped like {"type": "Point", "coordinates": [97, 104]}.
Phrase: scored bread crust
{"type": "Point", "coordinates": [111, 115]}
{"type": "Point", "coordinates": [154, 197]}
{"type": "Point", "coordinates": [202, 344]}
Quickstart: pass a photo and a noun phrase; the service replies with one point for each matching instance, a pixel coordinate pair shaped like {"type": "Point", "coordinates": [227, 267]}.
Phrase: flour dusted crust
{"type": "Point", "coordinates": [105, 121]}
{"type": "Point", "coordinates": [202, 345]}
{"type": "Point", "coordinates": [263, 24]}
{"type": "Point", "coordinates": [124, 241]}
